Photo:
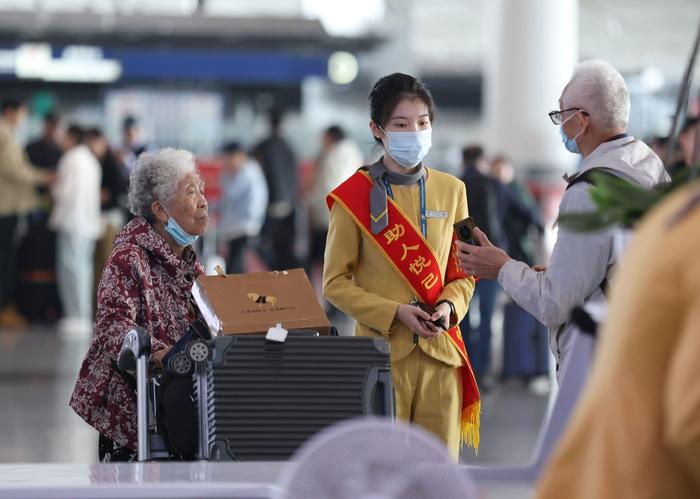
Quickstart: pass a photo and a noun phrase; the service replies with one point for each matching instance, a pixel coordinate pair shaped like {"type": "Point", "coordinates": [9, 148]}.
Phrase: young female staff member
{"type": "Point", "coordinates": [390, 244]}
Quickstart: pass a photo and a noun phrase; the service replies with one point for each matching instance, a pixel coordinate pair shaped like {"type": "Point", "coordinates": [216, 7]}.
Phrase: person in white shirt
{"type": "Point", "coordinates": [244, 198]}
{"type": "Point", "coordinates": [338, 160]}
{"type": "Point", "coordinates": [76, 219]}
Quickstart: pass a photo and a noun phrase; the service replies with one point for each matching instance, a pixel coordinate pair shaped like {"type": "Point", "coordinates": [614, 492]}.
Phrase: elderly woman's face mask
{"type": "Point", "coordinates": [181, 236]}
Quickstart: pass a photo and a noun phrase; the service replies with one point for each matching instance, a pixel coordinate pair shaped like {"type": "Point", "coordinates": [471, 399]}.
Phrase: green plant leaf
{"type": "Point", "coordinates": [586, 222]}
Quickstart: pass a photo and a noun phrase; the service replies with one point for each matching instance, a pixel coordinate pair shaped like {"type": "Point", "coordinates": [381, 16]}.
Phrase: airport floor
{"type": "Point", "coordinates": [38, 368]}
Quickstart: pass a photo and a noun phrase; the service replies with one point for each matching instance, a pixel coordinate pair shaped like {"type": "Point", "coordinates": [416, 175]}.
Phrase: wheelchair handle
{"type": "Point", "coordinates": [136, 349]}
{"type": "Point", "coordinates": [136, 344]}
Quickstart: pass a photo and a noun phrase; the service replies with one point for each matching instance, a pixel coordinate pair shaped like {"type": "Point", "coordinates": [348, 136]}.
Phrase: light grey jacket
{"type": "Point", "coordinates": [580, 261]}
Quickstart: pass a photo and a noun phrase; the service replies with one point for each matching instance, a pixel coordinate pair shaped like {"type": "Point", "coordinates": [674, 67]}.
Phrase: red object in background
{"type": "Point", "coordinates": [305, 175]}
{"type": "Point", "coordinates": [210, 169]}
{"type": "Point", "coordinates": [548, 195]}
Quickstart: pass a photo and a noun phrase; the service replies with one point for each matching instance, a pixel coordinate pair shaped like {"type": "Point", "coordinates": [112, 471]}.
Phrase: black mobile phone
{"type": "Point", "coordinates": [465, 231]}
{"type": "Point", "coordinates": [427, 308]}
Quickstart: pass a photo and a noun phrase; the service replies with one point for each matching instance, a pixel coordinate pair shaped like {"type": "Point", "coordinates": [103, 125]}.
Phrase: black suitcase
{"type": "Point", "coordinates": [525, 347]}
{"type": "Point", "coordinates": [36, 294]}
{"type": "Point", "coordinates": [259, 400]}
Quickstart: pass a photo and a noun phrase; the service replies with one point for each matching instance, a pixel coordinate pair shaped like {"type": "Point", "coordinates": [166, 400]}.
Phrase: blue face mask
{"type": "Point", "coordinates": [181, 237]}
{"type": "Point", "coordinates": [570, 144]}
{"type": "Point", "coordinates": [408, 148]}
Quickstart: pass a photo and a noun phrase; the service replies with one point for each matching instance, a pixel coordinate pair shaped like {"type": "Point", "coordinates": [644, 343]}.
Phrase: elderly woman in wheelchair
{"type": "Point", "coordinates": [146, 284]}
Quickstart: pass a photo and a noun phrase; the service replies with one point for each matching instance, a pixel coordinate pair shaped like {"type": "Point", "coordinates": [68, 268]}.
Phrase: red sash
{"type": "Point", "coordinates": [412, 257]}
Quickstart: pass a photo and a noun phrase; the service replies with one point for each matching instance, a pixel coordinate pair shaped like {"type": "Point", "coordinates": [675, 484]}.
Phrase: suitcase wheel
{"type": "Point", "coordinates": [197, 351]}
{"type": "Point", "coordinates": [180, 365]}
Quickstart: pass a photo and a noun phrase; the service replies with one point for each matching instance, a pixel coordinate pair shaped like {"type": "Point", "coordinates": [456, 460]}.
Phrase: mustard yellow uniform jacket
{"type": "Point", "coordinates": [358, 279]}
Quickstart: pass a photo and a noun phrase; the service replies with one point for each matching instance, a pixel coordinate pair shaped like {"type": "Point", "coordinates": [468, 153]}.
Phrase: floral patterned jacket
{"type": "Point", "coordinates": [143, 284]}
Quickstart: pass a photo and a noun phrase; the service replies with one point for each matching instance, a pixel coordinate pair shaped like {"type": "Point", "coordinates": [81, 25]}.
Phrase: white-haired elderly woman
{"type": "Point", "coordinates": [593, 114]}
{"type": "Point", "coordinates": [146, 282]}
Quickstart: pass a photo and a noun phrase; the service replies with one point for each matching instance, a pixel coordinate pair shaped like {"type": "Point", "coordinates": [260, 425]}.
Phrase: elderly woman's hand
{"type": "Point", "coordinates": [484, 261]}
{"type": "Point", "coordinates": [157, 357]}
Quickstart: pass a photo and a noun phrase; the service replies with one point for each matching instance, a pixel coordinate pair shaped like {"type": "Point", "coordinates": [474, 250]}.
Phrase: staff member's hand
{"type": "Point", "coordinates": [417, 321]}
{"type": "Point", "coordinates": [442, 312]}
{"type": "Point", "coordinates": [484, 261]}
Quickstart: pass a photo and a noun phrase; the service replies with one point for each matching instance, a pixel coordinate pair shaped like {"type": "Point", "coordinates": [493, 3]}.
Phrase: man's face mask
{"type": "Point", "coordinates": [408, 149]}
{"type": "Point", "coordinates": [570, 144]}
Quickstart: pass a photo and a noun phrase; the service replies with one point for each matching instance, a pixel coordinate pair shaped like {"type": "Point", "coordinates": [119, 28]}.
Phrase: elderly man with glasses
{"type": "Point", "coordinates": [593, 115]}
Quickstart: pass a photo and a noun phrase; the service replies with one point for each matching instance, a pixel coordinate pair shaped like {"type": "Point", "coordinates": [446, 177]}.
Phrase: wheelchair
{"type": "Point", "coordinates": [169, 385]}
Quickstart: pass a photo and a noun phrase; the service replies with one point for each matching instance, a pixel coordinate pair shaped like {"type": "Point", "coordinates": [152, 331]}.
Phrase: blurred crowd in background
{"type": "Point", "coordinates": [63, 199]}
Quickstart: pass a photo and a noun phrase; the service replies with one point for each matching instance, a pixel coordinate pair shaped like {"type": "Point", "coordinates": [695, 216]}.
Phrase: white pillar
{"type": "Point", "coordinates": [531, 48]}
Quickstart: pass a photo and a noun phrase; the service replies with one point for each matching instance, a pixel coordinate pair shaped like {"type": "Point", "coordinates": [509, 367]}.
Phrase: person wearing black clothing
{"type": "Point", "coordinates": [114, 182]}
{"type": "Point", "coordinates": [113, 190]}
{"type": "Point", "coordinates": [485, 208]}
{"type": "Point", "coordinates": [44, 153]}
{"type": "Point", "coordinates": [519, 212]}
{"type": "Point", "coordinates": [36, 294]}
{"type": "Point", "coordinates": [278, 163]}
{"type": "Point", "coordinates": [502, 216]}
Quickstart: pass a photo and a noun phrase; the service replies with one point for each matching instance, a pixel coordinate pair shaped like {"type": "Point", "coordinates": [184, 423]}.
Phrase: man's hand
{"type": "Point", "coordinates": [418, 321]}
{"type": "Point", "coordinates": [484, 261]}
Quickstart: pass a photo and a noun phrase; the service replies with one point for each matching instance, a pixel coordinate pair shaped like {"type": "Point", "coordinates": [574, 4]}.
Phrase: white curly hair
{"type": "Point", "coordinates": [155, 177]}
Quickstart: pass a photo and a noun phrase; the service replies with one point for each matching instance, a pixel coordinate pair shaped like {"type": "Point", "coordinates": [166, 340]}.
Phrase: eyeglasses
{"type": "Point", "coordinates": [555, 116]}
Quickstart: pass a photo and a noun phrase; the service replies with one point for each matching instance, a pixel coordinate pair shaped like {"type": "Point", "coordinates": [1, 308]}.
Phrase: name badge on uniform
{"type": "Point", "coordinates": [436, 214]}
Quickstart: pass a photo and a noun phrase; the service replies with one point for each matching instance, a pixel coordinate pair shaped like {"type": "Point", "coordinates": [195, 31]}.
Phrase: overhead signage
{"type": "Point", "coordinates": [78, 63]}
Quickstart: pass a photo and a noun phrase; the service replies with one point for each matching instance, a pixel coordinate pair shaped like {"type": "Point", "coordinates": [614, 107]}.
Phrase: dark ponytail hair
{"type": "Point", "coordinates": [390, 90]}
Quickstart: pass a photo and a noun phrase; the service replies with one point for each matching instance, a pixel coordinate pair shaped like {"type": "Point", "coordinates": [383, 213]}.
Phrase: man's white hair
{"type": "Point", "coordinates": [599, 89]}
{"type": "Point", "coordinates": [155, 177]}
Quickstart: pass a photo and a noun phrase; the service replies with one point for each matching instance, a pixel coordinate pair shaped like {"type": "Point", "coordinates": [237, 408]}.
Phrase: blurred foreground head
{"type": "Point", "coordinates": [374, 458]}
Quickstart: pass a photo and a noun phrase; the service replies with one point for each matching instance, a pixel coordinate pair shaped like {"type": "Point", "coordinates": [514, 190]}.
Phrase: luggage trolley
{"type": "Point", "coordinates": [257, 399]}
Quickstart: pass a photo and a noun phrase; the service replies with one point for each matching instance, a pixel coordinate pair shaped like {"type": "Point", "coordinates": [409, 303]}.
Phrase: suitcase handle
{"type": "Point", "coordinates": [379, 379]}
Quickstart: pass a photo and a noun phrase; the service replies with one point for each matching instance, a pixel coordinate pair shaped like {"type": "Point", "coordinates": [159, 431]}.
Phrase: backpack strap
{"type": "Point", "coordinates": [587, 176]}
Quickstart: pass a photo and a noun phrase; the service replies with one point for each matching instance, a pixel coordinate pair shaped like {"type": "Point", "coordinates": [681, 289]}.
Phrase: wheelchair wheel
{"type": "Point", "coordinates": [197, 351]}
{"type": "Point", "coordinates": [180, 365]}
